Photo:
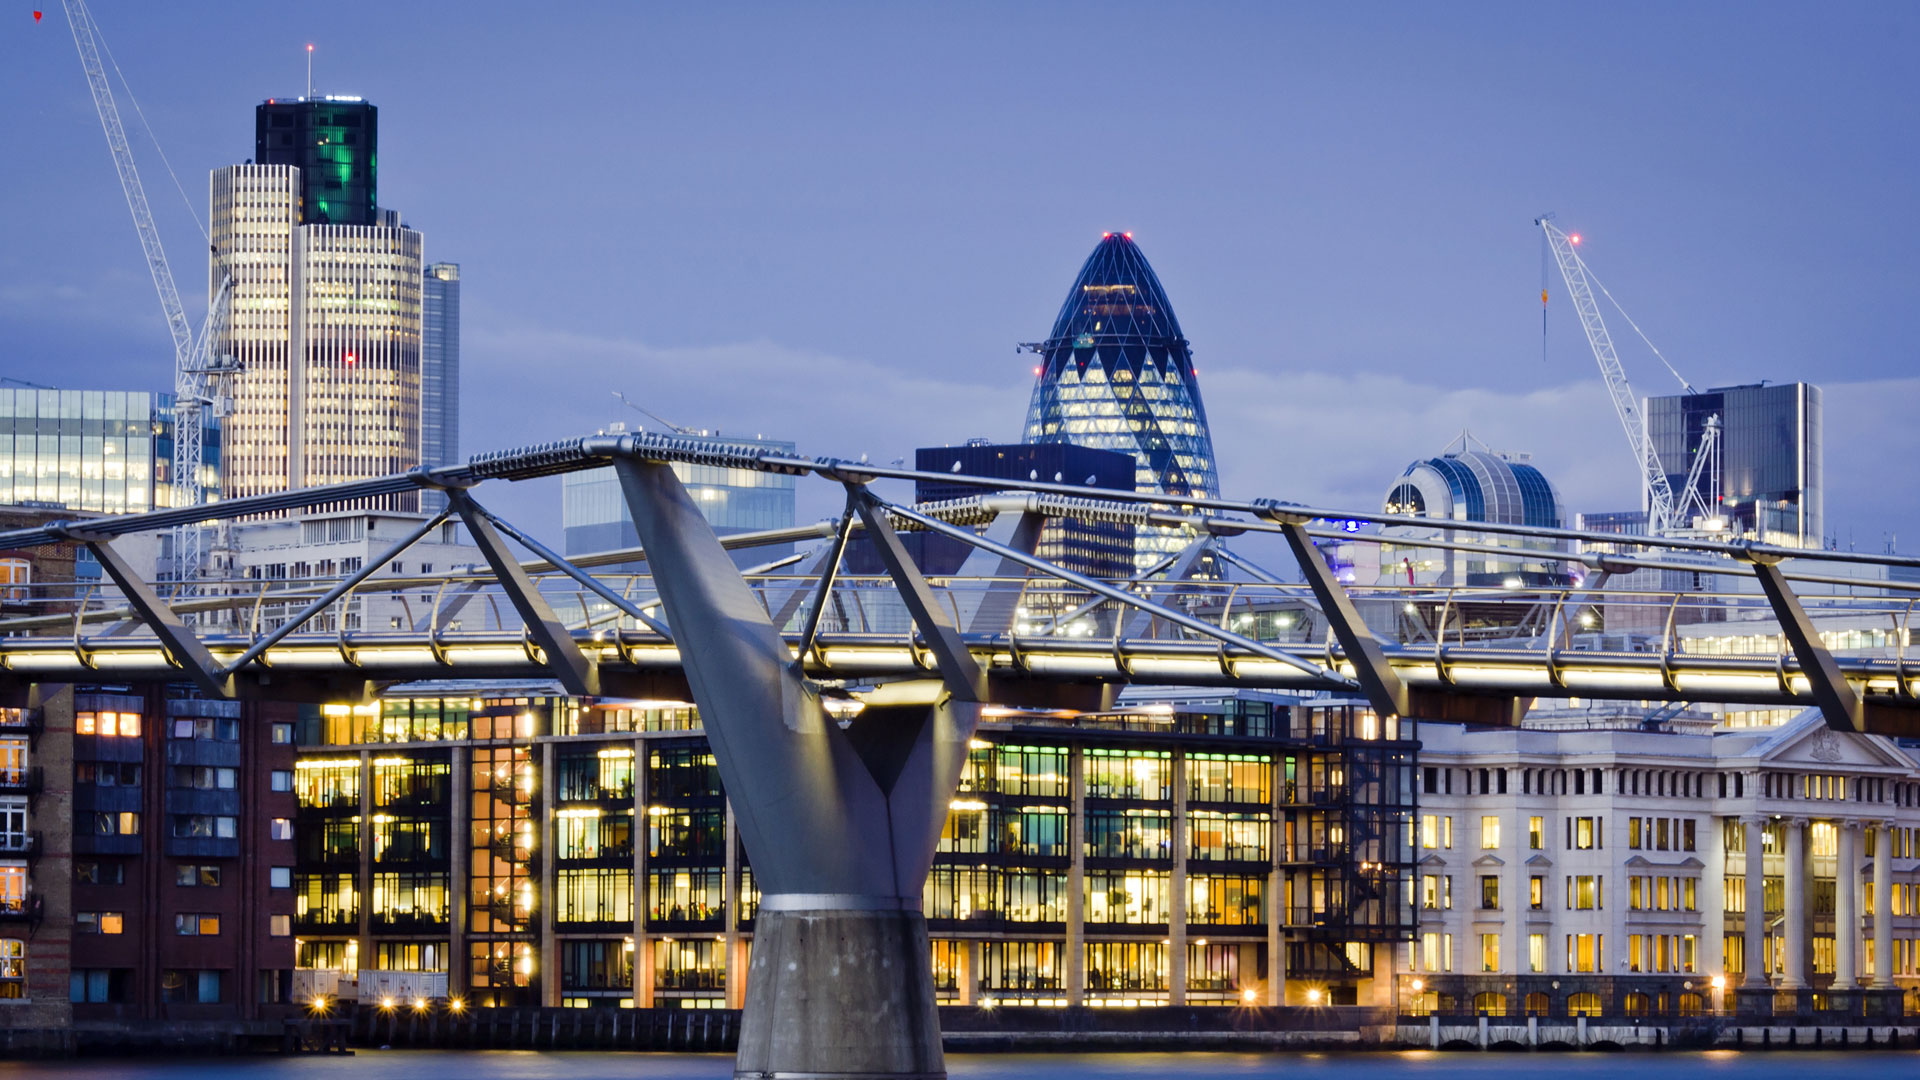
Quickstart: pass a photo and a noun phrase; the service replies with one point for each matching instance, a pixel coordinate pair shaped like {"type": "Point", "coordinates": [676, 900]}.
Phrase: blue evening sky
{"type": "Point", "coordinates": [832, 222]}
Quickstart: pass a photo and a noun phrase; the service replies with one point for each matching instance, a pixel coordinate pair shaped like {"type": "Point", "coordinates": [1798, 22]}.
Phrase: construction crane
{"type": "Point", "coordinates": [1665, 513]}
{"type": "Point", "coordinates": [1700, 497]}
{"type": "Point", "coordinates": [197, 377]}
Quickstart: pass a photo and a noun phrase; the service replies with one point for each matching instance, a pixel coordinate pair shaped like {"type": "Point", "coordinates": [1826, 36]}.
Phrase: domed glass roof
{"type": "Point", "coordinates": [1117, 374]}
{"type": "Point", "coordinates": [1476, 485]}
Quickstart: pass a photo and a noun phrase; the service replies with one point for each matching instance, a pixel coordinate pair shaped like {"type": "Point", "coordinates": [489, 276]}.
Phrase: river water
{"type": "Point", "coordinates": [1410, 1065]}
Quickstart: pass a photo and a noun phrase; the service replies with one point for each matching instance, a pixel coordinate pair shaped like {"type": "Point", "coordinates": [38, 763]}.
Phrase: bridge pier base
{"type": "Point", "coordinates": [832, 994]}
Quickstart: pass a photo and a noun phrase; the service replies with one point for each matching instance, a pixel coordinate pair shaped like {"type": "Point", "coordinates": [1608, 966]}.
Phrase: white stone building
{"type": "Point", "coordinates": [1612, 870]}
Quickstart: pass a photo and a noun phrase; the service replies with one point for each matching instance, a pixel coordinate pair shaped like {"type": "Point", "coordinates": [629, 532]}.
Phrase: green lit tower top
{"type": "Point", "coordinates": [334, 142]}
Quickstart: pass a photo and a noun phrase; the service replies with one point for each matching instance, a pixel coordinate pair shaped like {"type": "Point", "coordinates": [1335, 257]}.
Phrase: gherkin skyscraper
{"type": "Point", "coordinates": [1116, 373]}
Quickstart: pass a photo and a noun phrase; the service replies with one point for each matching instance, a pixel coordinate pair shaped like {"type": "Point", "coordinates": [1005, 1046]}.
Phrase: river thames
{"type": "Point", "coordinates": [1412, 1065]}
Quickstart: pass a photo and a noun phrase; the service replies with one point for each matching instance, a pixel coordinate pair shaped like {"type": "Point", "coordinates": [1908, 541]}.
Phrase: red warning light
{"type": "Point", "coordinates": [1574, 239]}
{"type": "Point", "coordinates": [350, 359]}
{"type": "Point", "coordinates": [309, 47]}
{"type": "Point", "coordinates": [1128, 235]}
{"type": "Point", "coordinates": [1106, 236]}
{"type": "Point", "coordinates": [1036, 371]}
{"type": "Point", "coordinates": [36, 16]}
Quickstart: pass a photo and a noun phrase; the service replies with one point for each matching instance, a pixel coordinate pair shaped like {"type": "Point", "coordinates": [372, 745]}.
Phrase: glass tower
{"type": "Point", "coordinates": [439, 373]}
{"type": "Point", "coordinates": [1770, 476]}
{"type": "Point", "coordinates": [1116, 373]}
{"type": "Point", "coordinates": [327, 321]}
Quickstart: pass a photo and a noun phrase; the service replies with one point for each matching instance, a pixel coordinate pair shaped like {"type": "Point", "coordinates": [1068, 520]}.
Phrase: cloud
{"type": "Point", "coordinates": [1339, 440]}
{"type": "Point", "coordinates": [1329, 439]}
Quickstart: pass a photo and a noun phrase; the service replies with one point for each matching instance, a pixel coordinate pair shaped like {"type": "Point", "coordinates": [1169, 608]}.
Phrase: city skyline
{"type": "Point", "coordinates": [1390, 273]}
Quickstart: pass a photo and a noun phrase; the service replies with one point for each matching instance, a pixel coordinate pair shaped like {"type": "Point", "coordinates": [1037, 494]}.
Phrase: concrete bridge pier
{"type": "Point", "coordinates": [840, 802]}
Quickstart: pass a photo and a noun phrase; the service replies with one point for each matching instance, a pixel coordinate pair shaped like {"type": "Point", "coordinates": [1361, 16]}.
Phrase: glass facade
{"type": "Point", "coordinates": [1082, 860]}
{"type": "Point", "coordinates": [1468, 484]}
{"type": "Point", "coordinates": [334, 142]}
{"type": "Point", "coordinates": [1096, 548]}
{"type": "Point", "coordinates": [105, 451]}
{"type": "Point", "coordinates": [79, 449]}
{"type": "Point", "coordinates": [439, 372]}
{"type": "Point", "coordinates": [1771, 465]}
{"type": "Point", "coordinates": [1116, 373]}
{"type": "Point", "coordinates": [594, 514]}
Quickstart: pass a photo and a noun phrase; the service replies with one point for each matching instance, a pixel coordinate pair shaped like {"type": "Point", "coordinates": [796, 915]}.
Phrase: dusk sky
{"type": "Point", "coordinates": [832, 223]}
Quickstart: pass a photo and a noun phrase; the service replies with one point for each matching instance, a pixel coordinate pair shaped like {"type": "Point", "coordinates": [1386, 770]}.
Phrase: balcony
{"type": "Point", "coordinates": [22, 721]}
{"type": "Point", "coordinates": [15, 909]}
{"type": "Point", "coordinates": [20, 843]}
{"type": "Point", "coordinates": [20, 781]}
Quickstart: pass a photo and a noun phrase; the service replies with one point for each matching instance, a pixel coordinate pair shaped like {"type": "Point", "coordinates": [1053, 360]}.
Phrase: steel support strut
{"type": "Point", "coordinates": [176, 637]}
{"type": "Point", "coordinates": [1838, 702]}
{"type": "Point", "coordinates": [1101, 588]}
{"type": "Point", "coordinates": [840, 822]}
{"type": "Point", "coordinates": [1383, 688]}
{"type": "Point", "coordinates": [563, 656]}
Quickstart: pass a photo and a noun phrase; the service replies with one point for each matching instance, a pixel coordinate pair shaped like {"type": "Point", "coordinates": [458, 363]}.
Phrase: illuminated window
{"type": "Point", "coordinates": [121, 725]}
{"type": "Point", "coordinates": [1489, 833]}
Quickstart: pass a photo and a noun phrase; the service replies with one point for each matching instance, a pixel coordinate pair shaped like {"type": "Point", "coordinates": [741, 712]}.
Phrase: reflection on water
{"type": "Point", "coordinates": [1412, 1065]}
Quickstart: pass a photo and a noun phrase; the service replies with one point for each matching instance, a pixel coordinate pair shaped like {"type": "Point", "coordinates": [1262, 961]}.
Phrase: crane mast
{"type": "Point", "coordinates": [1655, 488]}
{"type": "Point", "coordinates": [196, 377]}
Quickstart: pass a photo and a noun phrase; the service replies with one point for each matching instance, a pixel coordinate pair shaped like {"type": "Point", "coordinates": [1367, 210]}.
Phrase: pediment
{"type": "Point", "coordinates": [1489, 859]}
{"type": "Point", "coordinates": [1639, 862]}
{"type": "Point", "coordinates": [1433, 860]}
{"type": "Point", "coordinates": [1809, 744]}
{"type": "Point", "coordinates": [1539, 860]}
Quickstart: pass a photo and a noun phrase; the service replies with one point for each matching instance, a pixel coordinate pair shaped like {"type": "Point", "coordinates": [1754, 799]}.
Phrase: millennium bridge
{"type": "Point", "coordinates": [839, 707]}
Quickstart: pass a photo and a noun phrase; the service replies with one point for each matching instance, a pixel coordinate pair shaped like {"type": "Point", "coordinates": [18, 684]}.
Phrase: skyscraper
{"type": "Point", "coordinates": [1116, 373]}
{"type": "Point", "coordinates": [1770, 469]}
{"type": "Point", "coordinates": [326, 304]}
{"type": "Point", "coordinates": [439, 372]}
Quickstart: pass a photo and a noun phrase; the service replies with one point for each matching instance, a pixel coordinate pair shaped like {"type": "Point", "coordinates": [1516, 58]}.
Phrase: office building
{"type": "Point", "coordinates": [146, 860]}
{"type": "Point", "coordinates": [98, 451]}
{"type": "Point", "coordinates": [1769, 477]}
{"type": "Point", "coordinates": [522, 847]}
{"type": "Point", "coordinates": [1605, 869]}
{"type": "Point", "coordinates": [1098, 549]}
{"type": "Point", "coordinates": [334, 144]}
{"type": "Point", "coordinates": [594, 515]}
{"type": "Point", "coordinates": [327, 320]}
{"type": "Point", "coordinates": [1116, 373]}
{"type": "Point", "coordinates": [311, 550]}
{"type": "Point", "coordinates": [439, 372]}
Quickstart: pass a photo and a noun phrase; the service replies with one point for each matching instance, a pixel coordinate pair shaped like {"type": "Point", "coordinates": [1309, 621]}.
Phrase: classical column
{"type": "Point", "coordinates": [1794, 924]}
{"type": "Point", "coordinates": [1846, 914]}
{"type": "Point", "coordinates": [1883, 907]}
{"type": "Point", "coordinates": [1177, 888]}
{"type": "Point", "coordinates": [1713, 891]}
{"type": "Point", "coordinates": [1074, 963]}
{"type": "Point", "coordinates": [1756, 878]}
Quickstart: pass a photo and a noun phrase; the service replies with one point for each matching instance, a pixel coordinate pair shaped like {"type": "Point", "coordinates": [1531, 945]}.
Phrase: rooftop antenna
{"type": "Point", "coordinates": [655, 417]}
{"type": "Point", "coordinates": [309, 71]}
